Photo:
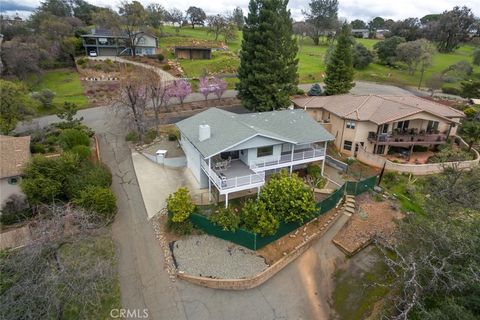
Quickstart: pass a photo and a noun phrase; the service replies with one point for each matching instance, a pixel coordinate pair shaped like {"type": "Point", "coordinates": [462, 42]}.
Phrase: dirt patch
{"type": "Point", "coordinates": [370, 218]}
{"type": "Point", "coordinates": [277, 249]}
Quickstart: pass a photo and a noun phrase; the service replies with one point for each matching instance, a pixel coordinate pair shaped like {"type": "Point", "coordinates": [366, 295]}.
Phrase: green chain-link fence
{"type": "Point", "coordinates": [254, 241]}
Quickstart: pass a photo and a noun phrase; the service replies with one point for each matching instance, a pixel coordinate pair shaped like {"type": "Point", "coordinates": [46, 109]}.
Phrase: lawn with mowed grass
{"type": "Point", "coordinates": [66, 85]}
{"type": "Point", "coordinates": [311, 66]}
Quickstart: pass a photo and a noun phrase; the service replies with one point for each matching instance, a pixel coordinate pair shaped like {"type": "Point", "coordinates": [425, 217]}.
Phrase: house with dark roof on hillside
{"type": "Point", "coordinates": [233, 152]}
{"type": "Point", "coordinates": [102, 42]}
{"type": "Point", "coordinates": [377, 123]}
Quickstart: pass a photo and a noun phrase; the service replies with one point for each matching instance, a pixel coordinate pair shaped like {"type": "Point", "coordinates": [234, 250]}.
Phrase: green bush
{"type": "Point", "coordinates": [45, 97]}
{"type": "Point", "coordinates": [258, 219]}
{"type": "Point", "coordinates": [15, 209]}
{"type": "Point", "coordinates": [315, 172]}
{"type": "Point", "coordinates": [226, 218]}
{"type": "Point", "coordinates": [160, 57]}
{"type": "Point", "coordinates": [37, 148]}
{"type": "Point", "coordinates": [167, 67]}
{"type": "Point", "coordinates": [390, 178]}
{"type": "Point", "coordinates": [88, 174]}
{"type": "Point", "coordinates": [451, 90]}
{"type": "Point", "coordinates": [300, 92]}
{"type": "Point", "coordinates": [150, 135]}
{"type": "Point", "coordinates": [70, 138]}
{"type": "Point", "coordinates": [470, 112]}
{"type": "Point", "coordinates": [41, 189]}
{"type": "Point", "coordinates": [44, 178]}
{"type": "Point", "coordinates": [82, 61]}
{"type": "Point", "coordinates": [288, 198]}
{"type": "Point", "coordinates": [449, 154]}
{"type": "Point", "coordinates": [132, 137]}
{"type": "Point", "coordinates": [180, 205]}
{"type": "Point", "coordinates": [99, 200]}
{"type": "Point", "coordinates": [83, 152]}
{"type": "Point", "coordinates": [172, 137]}
{"type": "Point", "coordinates": [180, 228]}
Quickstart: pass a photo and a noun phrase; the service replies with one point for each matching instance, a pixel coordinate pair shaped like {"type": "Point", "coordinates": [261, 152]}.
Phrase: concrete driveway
{"type": "Point", "coordinates": [157, 182]}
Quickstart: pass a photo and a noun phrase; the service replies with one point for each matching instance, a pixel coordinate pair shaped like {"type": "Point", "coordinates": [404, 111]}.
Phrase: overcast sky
{"type": "Point", "coordinates": [350, 9]}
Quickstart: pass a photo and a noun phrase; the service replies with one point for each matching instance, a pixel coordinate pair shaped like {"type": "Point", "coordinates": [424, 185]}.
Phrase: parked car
{"type": "Point", "coordinates": [92, 53]}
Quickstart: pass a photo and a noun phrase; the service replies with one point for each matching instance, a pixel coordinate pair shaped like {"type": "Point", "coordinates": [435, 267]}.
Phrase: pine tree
{"type": "Point", "coordinates": [268, 63]}
{"type": "Point", "coordinates": [339, 73]}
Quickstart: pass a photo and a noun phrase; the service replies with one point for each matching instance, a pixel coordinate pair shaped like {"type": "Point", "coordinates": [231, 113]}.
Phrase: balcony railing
{"type": "Point", "coordinates": [407, 138]}
{"type": "Point", "coordinates": [241, 182]}
{"type": "Point", "coordinates": [287, 158]}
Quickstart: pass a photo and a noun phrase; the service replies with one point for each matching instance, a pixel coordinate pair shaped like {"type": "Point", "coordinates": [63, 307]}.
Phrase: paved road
{"type": "Point", "coordinates": [365, 88]}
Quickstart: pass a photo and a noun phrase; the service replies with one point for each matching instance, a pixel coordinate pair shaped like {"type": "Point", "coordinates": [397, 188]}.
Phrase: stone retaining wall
{"type": "Point", "coordinates": [255, 281]}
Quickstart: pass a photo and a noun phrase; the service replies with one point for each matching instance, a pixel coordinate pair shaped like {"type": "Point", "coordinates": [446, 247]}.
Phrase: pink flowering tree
{"type": "Point", "coordinates": [204, 87]}
{"type": "Point", "coordinates": [179, 89]}
{"type": "Point", "coordinates": [219, 86]}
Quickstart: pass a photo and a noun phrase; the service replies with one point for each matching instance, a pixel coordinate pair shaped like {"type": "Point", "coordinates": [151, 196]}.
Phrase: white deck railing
{"type": "Point", "coordinates": [288, 158]}
{"type": "Point", "coordinates": [241, 182]}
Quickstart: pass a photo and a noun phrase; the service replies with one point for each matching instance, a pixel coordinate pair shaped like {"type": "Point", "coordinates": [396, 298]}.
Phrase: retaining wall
{"type": "Point", "coordinates": [169, 162]}
{"type": "Point", "coordinates": [255, 281]}
{"type": "Point", "coordinates": [416, 169]}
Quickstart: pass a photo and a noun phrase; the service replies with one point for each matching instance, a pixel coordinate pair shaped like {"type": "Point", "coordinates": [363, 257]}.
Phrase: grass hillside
{"type": "Point", "coordinates": [311, 59]}
{"type": "Point", "coordinates": [66, 85]}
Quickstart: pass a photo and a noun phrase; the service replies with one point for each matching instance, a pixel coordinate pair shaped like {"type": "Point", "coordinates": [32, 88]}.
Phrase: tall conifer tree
{"type": "Point", "coordinates": [339, 73]}
{"type": "Point", "coordinates": [268, 62]}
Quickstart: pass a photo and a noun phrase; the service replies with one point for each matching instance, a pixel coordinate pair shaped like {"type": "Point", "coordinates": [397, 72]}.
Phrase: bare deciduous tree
{"type": "Point", "coordinates": [157, 93]}
{"type": "Point", "coordinates": [132, 101]}
{"type": "Point", "coordinates": [41, 281]}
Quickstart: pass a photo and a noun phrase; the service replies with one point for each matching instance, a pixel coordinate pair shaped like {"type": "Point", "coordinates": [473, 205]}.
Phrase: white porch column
{"type": "Point", "coordinates": [209, 180]}
{"type": "Point", "coordinates": [258, 193]}
{"type": "Point", "coordinates": [226, 200]}
{"type": "Point", "coordinates": [291, 159]}
{"type": "Point", "coordinates": [324, 158]}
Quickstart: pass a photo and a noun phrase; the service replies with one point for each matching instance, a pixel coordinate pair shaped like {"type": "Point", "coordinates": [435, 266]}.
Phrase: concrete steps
{"type": "Point", "coordinates": [349, 205]}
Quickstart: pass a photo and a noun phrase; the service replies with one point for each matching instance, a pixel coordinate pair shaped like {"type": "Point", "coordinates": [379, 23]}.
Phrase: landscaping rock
{"type": "Point", "coordinates": [208, 256]}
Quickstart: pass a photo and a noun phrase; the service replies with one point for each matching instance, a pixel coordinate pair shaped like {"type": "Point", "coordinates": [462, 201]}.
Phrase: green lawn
{"type": "Point", "coordinates": [311, 66]}
{"type": "Point", "coordinates": [66, 85]}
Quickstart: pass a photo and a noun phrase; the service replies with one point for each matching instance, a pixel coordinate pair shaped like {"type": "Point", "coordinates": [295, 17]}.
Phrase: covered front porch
{"type": "Point", "coordinates": [234, 177]}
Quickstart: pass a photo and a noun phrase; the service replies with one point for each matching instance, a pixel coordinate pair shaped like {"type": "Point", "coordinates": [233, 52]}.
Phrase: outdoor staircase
{"type": "Point", "coordinates": [349, 205]}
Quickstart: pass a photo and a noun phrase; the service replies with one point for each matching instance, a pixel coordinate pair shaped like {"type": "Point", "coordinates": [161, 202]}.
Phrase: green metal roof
{"type": "Point", "coordinates": [228, 129]}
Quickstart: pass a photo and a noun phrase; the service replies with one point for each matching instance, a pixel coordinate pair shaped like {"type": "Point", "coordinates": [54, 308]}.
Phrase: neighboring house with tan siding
{"type": "Point", "coordinates": [14, 154]}
{"type": "Point", "coordinates": [380, 122]}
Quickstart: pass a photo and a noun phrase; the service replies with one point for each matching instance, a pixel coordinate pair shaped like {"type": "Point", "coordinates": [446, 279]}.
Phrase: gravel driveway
{"type": "Point", "coordinates": [208, 256]}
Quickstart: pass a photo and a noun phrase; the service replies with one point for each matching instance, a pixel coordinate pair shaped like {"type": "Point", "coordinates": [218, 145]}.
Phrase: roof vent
{"type": "Point", "coordinates": [203, 132]}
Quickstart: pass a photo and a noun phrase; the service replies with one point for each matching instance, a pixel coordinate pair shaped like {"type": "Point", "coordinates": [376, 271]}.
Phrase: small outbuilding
{"type": "Point", "coordinates": [193, 53]}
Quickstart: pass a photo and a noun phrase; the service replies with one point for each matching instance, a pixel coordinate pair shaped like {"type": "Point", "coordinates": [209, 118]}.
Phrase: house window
{"type": "Point", "coordinates": [286, 148]}
{"type": "Point", "coordinates": [347, 145]}
{"type": "Point", "coordinates": [141, 40]}
{"type": "Point", "coordinates": [432, 126]}
{"type": "Point", "coordinates": [403, 125]}
{"type": "Point", "coordinates": [350, 124]}
{"type": "Point", "coordinates": [264, 151]}
{"type": "Point", "coordinates": [384, 128]}
{"type": "Point", "coordinates": [13, 180]}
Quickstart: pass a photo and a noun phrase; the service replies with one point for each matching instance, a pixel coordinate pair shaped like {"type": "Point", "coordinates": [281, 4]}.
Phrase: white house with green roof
{"type": "Point", "coordinates": [233, 152]}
